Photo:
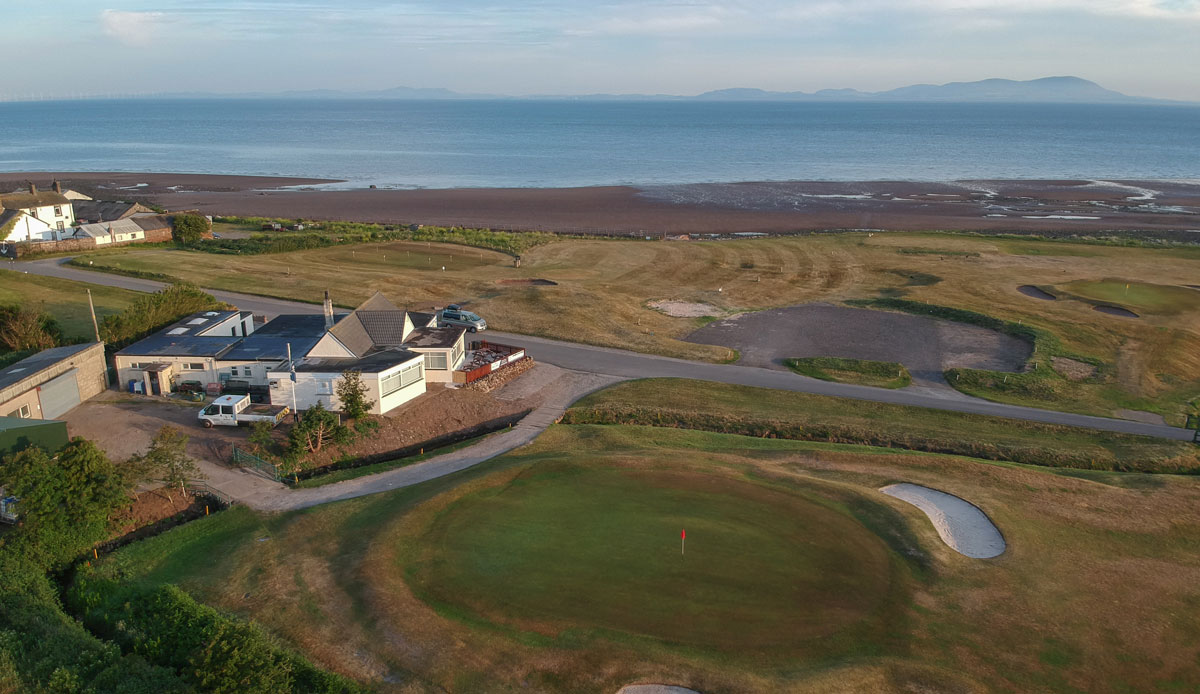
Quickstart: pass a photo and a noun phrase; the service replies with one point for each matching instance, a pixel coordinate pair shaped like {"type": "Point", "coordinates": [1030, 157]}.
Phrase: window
{"type": "Point", "coordinates": [58, 211]}
{"type": "Point", "coordinates": [61, 226]}
{"type": "Point", "coordinates": [436, 361]}
{"type": "Point", "coordinates": [458, 352]}
{"type": "Point", "coordinates": [193, 366]}
{"type": "Point", "coordinates": [324, 387]}
{"type": "Point", "coordinates": [23, 413]}
{"type": "Point", "coordinates": [401, 379]}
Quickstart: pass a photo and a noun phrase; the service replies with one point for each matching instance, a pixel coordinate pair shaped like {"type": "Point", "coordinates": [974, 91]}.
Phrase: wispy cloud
{"type": "Point", "coordinates": [131, 28]}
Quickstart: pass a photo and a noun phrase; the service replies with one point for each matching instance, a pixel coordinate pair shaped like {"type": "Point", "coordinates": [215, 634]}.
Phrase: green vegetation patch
{"type": "Point", "coordinates": [881, 374]}
{"type": "Point", "coordinates": [1142, 297]}
{"type": "Point", "coordinates": [771, 413]}
{"type": "Point", "coordinates": [566, 547]}
{"type": "Point", "coordinates": [65, 300]}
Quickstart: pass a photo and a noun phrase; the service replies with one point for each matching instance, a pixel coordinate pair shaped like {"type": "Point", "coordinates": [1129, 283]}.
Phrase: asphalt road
{"type": "Point", "coordinates": [614, 362]}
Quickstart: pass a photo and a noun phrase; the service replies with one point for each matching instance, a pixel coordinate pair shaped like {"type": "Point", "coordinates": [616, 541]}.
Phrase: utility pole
{"type": "Point", "coordinates": [92, 307]}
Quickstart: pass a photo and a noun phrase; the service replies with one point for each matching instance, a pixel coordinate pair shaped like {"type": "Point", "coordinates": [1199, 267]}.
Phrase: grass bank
{"type": "Point", "coordinates": [65, 300]}
{"type": "Point", "coordinates": [881, 374]}
{"type": "Point", "coordinates": [780, 414]}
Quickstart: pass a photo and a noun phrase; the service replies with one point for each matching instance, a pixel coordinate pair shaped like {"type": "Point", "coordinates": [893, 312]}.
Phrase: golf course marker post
{"type": "Point", "coordinates": [682, 540]}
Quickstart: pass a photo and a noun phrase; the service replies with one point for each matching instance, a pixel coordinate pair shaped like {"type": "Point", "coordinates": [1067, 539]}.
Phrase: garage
{"type": "Point", "coordinates": [59, 394]}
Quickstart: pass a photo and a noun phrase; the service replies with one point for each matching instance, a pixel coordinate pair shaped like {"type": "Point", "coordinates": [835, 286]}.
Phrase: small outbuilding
{"type": "Point", "coordinates": [51, 382]}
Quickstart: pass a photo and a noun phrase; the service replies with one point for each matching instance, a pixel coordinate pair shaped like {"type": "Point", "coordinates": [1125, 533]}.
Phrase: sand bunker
{"type": "Point", "coordinates": [1073, 369]}
{"type": "Point", "coordinates": [655, 689]}
{"type": "Point", "coordinates": [684, 309]}
{"type": "Point", "coordinates": [961, 525]}
{"type": "Point", "coordinates": [536, 282]}
{"type": "Point", "coordinates": [1115, 311]}
{"type": "Point", "coordinates": [1030, 290]}
{"type": "Point", "coordinates": [924, 345]}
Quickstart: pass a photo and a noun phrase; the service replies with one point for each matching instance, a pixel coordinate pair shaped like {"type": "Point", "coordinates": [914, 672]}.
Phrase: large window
{"type": "Point", "coordinates": [458, 351]}
{"type": "Point", "coordinates": [402, 378]}
{"type": "Point", "coordinates": [22, 413]}
{"type": "Point", "coordinates": [194, 366]}
{"type": "Point", "coordinates": [436, 361]}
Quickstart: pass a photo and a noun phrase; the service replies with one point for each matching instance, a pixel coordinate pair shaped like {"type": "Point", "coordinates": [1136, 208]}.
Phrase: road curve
{"type": "Point", "coordinates": [625, 364]}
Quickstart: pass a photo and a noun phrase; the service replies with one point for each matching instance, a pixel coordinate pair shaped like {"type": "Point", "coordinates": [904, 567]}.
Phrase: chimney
{"type": "Point", "coordinates": [57, 187]}
{"type": "Point", "coordinates": [328, 311]}
{"type": "Point", "coordinates": [32, 188]}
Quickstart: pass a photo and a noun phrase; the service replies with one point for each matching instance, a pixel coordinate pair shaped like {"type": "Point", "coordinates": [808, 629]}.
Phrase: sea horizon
{"type": "Point", "coordinates": [414, 144]}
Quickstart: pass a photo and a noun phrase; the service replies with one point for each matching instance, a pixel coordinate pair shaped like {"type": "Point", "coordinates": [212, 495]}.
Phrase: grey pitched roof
{"type": "Point", "coordinates": [423, 320]}
{"type": "Point", "coordinates": [121, 226]}
{"type": "Point", "coordinates": [378, 302]}
{"type": "Point", "coordinates": [24, 201]}
{"type": "Point", "coordinates": [7, 216]}
{"type": "Point", "coordinates": [351, 333]}
{"type": "Point", "coordinates": [372, 363]}
{"type": "Point", "coordinates": [29, 366]}
{"type": "Point", "coordinates": [151, 222]}
{"type": "Point", "coordinates": [386, 328]}
{"type": "Point", "coordinates": [106, 210]}
{"type": "Point", "coordinates": [434, 338]}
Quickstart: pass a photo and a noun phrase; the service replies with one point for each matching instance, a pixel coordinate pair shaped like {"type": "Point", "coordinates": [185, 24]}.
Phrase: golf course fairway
{"type": "Point", "coordinates": [565, 549]}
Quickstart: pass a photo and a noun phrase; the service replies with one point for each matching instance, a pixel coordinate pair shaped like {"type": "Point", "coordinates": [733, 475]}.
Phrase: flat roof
{"type": "Point", "coordinates": [257, 347]}
{"type": "Point", "coordinates": [161, 345]}
{"type": "Point", "coordinates": [296, 325]}
{"type": "Point", "coordinates": [433, 338]}
{"type": "Point", "coordinates": [376, 362]}
{"type": "Point", "coordinates": [35, 364]}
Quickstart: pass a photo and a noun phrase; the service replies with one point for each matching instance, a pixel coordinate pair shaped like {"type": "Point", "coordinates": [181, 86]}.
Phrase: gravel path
{"type": "Point", "coordinates": [655, 689]}
{"type": "Point", "coordinates": [961, 524]}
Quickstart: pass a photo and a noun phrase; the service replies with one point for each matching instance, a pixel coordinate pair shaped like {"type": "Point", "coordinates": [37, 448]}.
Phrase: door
{"type": "Point", "coordinates": [59, 395]}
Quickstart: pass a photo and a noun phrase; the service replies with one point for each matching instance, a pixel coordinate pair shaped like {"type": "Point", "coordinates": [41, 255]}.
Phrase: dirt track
{"type": "Point", "coordinates": [924, 345]}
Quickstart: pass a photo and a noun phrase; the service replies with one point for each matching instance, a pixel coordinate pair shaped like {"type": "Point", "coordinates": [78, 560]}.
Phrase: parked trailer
{"type": "Point", "coordinates": [237, 410]}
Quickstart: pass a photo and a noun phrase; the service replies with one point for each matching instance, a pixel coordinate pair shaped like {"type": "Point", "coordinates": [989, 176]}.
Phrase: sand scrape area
{"type": "Point", "coordinates": [925, 346]}
{"type": "Point", "coordinates": [961, 525]}
{"type": "Point", "coordinates": [684, 309]}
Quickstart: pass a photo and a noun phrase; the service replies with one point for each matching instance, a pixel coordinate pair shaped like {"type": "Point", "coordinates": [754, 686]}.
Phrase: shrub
{"type": "Point", "coordinates": [154, 311]}
{"type": "Point", "coordinates": [189, 228]}
{"type": "Point", "coordinates": [24, 328]}
{"type": "Point", "coordinates": [352, 393]}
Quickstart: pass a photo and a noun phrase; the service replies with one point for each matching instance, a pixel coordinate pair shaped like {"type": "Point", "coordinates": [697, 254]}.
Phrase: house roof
{"type": "Point", "coordinates": [151, 222]}
{"type": "Point", "coordinates": [384, 327]}
{"type": "Point", "coordinates": [120, 226]}
{"type": "Point", "coordinates": [256, 347]}
{"type": "Point", "coordinates": [376, 362]}
{"type": "Point", "coordinates": [7, 216]}
{"type": "Point", "coordinates": [31, 366]}
{"type": "Point", "coordinates": [185, 337]}
{"type": "Point", "coordinates": [434, 338]}
{"type": "Point", "coordinates": [106, 210]}
{"type": "Point", "coordinates": [25, 201]}
{"type": "Point", "coordinates": [378, 302]}
{"type": "Point", "coordinates": [422, 320]}
{"type": "Point", "coordinates": [295, 325]}
{"type": "Point", "coordinates": [350, 332]}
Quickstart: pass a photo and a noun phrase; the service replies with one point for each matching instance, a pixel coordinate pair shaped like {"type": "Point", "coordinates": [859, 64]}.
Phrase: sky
{"type": "Point", "coordinates": [79, 47]}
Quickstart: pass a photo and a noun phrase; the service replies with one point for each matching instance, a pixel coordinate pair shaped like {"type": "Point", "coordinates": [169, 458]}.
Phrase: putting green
{"type": "Point", "coordinates": [1139, 296]}
{"type": "Point", "coordinates": [597, 549]}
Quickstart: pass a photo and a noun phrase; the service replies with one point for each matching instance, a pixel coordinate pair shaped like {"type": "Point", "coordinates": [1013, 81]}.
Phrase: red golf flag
{"type": "Point", "coordinates": [683, 534]}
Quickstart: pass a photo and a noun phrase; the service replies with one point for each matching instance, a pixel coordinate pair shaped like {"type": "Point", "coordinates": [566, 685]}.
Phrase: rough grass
{"type": "Point", "coordinates": [604, 286]}
{"type": "Point", "coordinates": [783, 414]}
{"type": "Point", "coordinates": [1096, 592]}
{"type": "Point", "coordinates": [66, 300]}
{"type": "Point", "coordinates": [881, 374]}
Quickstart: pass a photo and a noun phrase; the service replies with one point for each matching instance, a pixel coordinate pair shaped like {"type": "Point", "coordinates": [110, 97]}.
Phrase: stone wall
{"type": "Point", "coordinates": [19, 250]}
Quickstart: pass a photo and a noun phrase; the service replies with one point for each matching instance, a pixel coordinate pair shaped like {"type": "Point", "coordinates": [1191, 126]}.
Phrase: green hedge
{"type": "Point", "coordinates": [214, 653]}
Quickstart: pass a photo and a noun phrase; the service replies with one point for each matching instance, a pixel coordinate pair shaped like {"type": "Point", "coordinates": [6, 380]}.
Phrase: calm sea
{"type": "Point", "coordinates": [447, 144]}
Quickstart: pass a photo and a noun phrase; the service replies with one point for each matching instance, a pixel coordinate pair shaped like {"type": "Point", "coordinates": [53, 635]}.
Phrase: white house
{"type": "Point", "coordinates": [392, 377]}
{"type": "Point", "coordinates": [36, 216]}
{"type": "Point", "coordinates": [191, 349]}
{"type": "Point", "coordinates": [119, 231]}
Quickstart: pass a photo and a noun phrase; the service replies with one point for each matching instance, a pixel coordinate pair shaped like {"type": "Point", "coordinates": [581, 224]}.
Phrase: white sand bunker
{"type": "Point", "coordinates": [961, 525]}
{"type": "Point", "coordinates": [684, 309]}
{"type": "Point", "coordinates": [655, 689]}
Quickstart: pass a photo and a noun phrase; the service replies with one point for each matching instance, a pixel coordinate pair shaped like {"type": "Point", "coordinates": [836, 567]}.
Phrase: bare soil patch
{"type": "Point", "coordinates": [1030, 290]}
{"type": "Point", "coordinates": [925, 346]}
{"type": "Point", "coordinates": [152, 506]}
{"type": "Point", "coordinates": [1073, 369]}
{"type": "Point", "coordinates": [1139, 416]}
{"type": "Point", "coordinates": [684, 309]}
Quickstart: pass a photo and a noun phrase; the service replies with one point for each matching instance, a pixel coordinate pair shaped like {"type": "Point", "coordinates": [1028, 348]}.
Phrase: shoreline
{"type": "Point", "coordinates": [1017, 205]}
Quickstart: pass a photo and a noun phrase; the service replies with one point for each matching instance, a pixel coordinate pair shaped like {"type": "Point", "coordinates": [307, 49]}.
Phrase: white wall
{"type": "Point", "coordinates": [26, 228]}
{"type": "Point", "coordinates": [311, 387]}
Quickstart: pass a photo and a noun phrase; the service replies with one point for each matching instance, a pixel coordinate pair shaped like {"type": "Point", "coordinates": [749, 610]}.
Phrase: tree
{"type": "Point", "coordinates": [167, 460]}
{"type": "Point", "coordinates": [317, 427]}
{"type": "Point", "coordinates": [353, 393]}
{"type": "Point", "coordinates": [63, 502]}
{"type": "Point", "coordinates": [260, 436]}
{"type": "Point", "coordinates": [189, 228]}
{"type": "Point", "coordinates": [26, 328]}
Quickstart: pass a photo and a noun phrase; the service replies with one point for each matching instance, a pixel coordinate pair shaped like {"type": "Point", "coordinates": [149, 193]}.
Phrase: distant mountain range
{"type": "Point", "coordinates": [1044, 90]}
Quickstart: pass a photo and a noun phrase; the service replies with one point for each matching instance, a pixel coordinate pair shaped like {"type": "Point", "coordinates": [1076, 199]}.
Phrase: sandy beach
{"type": "Point", "coordinates": [1165, 208]}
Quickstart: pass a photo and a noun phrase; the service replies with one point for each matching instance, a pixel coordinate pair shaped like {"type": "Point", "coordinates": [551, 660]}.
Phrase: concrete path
{"type": "Point", "coordinates": [625, 364]}
{"type": "Point", "coordinates": [567, 389]}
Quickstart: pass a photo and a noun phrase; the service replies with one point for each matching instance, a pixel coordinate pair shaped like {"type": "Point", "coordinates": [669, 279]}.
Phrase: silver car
{"type": "Point", "coordinates": [454, 315]}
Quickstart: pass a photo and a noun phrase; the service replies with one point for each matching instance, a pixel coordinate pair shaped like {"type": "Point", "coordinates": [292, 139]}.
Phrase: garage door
{"type": "Point", "coordinates": [59, 395]}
